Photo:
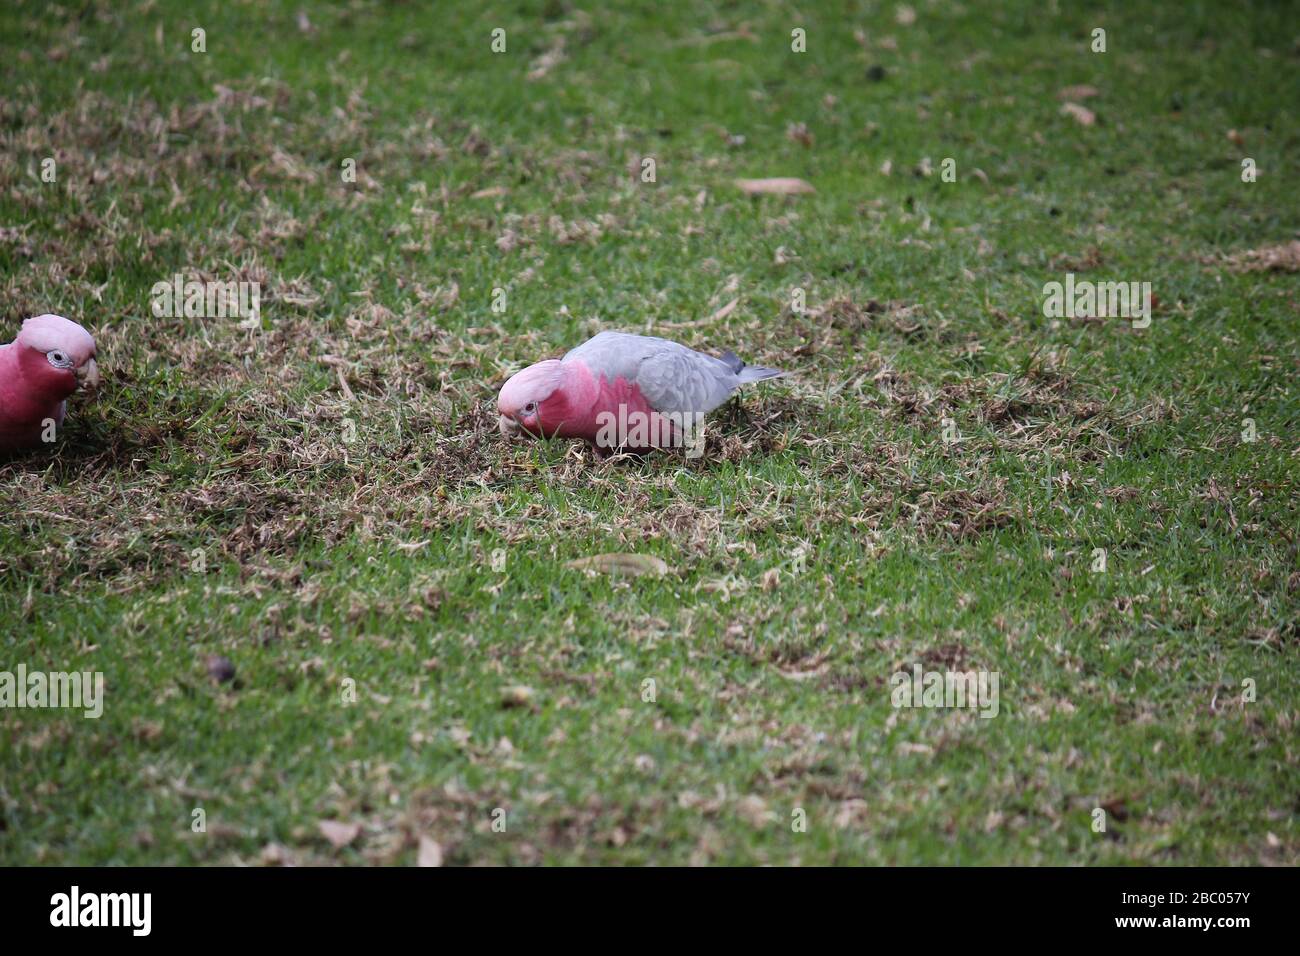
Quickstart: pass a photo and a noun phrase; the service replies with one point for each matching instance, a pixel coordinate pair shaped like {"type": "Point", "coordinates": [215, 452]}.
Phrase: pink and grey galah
{"type": "Point", "coordinates": [49, 360]}
{"type": "Point", "coordinates": [618, 390]}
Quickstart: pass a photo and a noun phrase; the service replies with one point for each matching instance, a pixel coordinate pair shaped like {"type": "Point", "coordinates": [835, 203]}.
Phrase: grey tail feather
{"type": "Point", "coordinates": [747, 373]}
{"type": "Point", "coordinates": [756, 373]}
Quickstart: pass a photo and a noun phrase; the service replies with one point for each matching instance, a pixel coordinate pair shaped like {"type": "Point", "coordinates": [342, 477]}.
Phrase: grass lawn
{"type": "Point", "coordinates": [319, 500]}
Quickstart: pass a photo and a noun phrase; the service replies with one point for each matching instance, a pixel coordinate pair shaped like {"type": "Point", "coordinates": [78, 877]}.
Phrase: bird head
{"type": "Point", "coordinates": [56, 355]}
{"type": "Point", "coordinates": [528, 400]}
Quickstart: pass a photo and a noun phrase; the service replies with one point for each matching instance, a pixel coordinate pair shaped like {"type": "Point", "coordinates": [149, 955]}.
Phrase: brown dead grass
{"type": "Point", "coordinates": [1284, 257]}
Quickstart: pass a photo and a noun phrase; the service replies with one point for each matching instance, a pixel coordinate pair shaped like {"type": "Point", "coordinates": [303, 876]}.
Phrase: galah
{"type": "Point", "coordinates": [618, 390]}
{"type": "Point", "coordinates": [51, 358]}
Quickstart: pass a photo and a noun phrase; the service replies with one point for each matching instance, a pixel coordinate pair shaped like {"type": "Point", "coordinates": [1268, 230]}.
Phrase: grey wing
{"type": "Point", "coordinates": [672, 377]}
{"type": "Point", "coordinates": [679, 379]}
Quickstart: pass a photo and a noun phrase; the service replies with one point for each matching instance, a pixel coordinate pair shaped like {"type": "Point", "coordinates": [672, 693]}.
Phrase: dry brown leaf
{"type": "Point", "coordinates": [799, 133]}
{"type": "Point", "coordinates": [430, 852]}
{"type": "Point", "coordinates": [517, 695]}
{"type": "Point", "coordinates": [276, 854]}
{"type": "Point", "coordinates": [220, 669]}
{"type": "Point", "coordinates": [634, 564]}
{"type": "Point", "coordinates": [850, 812]}
{"type": "Point", "coordinates": [339, 834]}
{"type": "Point", "coordinates": [779, 186]}
{"type": "Point", "coordinates": [1081, 92]}
{"type": "Point", "coordinates": [725, 311]}
{"type": "Point", "coordinates": [805, 675]}
{"type": "Point", "coordinates": [753, 810]}
{"type": "Point", "coordinates": [1280, 258]}
{"type": "Point", "coordinates": [1082, 114]}
{"type": "Point", "coordinates": [1117, 808]}
{"type": "Point", "coordinates": [548, 60]}
{"type": "Point", "coordinates": [908, 747]}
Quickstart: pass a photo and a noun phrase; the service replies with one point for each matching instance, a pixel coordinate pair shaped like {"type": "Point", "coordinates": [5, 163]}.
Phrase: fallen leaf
{"type": "Point", "coordinates": [1082, 114]}
{"type": "Point", "coordinates": [430, 853]}
{"type": "Point", "coordinates": [220, 669]}
{"type": "Point", "coordinates": [850, 812]}
{"type": "Point", "coordinates": [276, 854]}
{"type": "Point", "coordinates": [1081, 92]}
{"type": "Point", "coordinates": [490, 193]}
{"type": "Point", "coordinates": [634, 564]}
{"type": "Point", "coordinates": [300, 298]}
{"type": "Point", "coordinates": [339, 834]}
{"type": "Point", "coordinates": [799, 133]}
{"type": "Point", "coordinates": [517, 695]}
{"type": "Point", "coordinates": [1117, 808]}
{"type": "Point", "coordinates": [907, 747]}
{"type": "Point", "coordinates": [1281, 258]}
{"type": "Point", "coordinates": [345, 387]}
{"type": "Point", "coordinates": [753, 810]}
{"type": "Point", "coordinates": [547, 61]}
{"type": "Point", "coordinates": [780, 186]}
{"type": "Point", "coordinates": [725, 311]}
{"type": "Point", "coordinates": [805, 675]}
{"type": "Point", "coordinates": [1090, 259]}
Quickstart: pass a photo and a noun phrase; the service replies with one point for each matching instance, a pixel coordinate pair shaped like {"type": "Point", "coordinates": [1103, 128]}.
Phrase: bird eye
{"type": "Point", "coordinates": [58, 359]}
{"type": "Point", "coordinates": [530, 408]}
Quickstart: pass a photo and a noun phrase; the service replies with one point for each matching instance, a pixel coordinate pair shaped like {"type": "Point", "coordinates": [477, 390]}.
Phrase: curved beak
{"type": "Point", "coordinates": [88, 375]}
{"type": "Point", "coordinates": [508, 426]}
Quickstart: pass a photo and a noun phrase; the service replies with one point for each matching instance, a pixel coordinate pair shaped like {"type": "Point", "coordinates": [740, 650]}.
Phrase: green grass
{"type": "Point", "coordinates": [327, 561]}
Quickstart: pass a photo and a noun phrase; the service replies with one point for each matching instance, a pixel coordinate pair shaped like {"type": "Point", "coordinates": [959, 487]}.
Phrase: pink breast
{"type": "Point", "coordinates": [639, 427]}
{"type": "Point", "coordinates": [22, 412]}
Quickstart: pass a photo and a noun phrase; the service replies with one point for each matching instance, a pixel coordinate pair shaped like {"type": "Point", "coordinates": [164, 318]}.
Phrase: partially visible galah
{"type": "Point", "coordinates": [624, 380]}
{"type": "Point", "coordinates": [51, 358]}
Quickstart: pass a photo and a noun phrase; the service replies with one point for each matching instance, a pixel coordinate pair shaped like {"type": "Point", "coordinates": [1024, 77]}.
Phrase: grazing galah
{"type": "Point", "coordinates": [618, 390]}
{"type": "Point", "coordinates": [51, 358]}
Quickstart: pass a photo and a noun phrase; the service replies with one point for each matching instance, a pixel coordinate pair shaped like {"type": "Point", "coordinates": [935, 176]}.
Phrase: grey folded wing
{"type": "Point", "coordinates": [672, 377]}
